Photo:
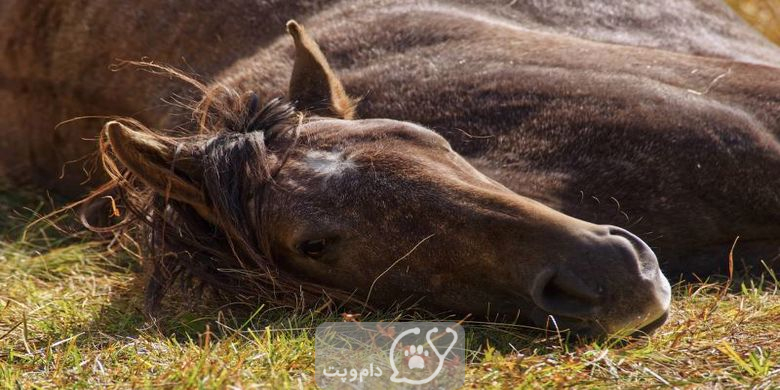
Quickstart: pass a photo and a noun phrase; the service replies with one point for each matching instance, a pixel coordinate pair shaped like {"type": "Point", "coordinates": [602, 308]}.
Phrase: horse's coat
{"type": "Point", "coordinates": [661, 118]}
{"type": "Point", "coordinates": [328, 163]}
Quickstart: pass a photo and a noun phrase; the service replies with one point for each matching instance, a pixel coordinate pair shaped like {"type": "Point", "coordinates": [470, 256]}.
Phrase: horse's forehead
{"type": "Point", "coordinates": [335, 130]}
{"type": "Point", "coordinates": [334, 148]}
{"type": "Point", "coordinates": [327, 162]}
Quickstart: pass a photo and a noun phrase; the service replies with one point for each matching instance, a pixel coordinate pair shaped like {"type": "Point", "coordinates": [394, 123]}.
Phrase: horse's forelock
{"type": "Point", "coordinates": [237, 165]}
{"type": "Point", "coordinates": [238, 162]}
{"type": "Point", "coordinates": [224, 109]}
{"type": "Point", "coordinates": [232, 133]}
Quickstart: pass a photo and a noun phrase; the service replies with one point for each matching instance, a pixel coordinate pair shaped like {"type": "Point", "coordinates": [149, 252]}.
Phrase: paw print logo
{"type": "Point", "coordinates": [416, 353]}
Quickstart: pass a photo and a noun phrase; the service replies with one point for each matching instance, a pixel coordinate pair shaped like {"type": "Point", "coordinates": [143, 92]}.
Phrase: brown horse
{"type": "Point", "coordinates": [510, 126]}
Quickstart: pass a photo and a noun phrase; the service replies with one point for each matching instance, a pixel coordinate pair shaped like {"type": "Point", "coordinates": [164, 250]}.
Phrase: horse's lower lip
{"type": "Point", "coordinates": [586, 328]}
{"type": "Point", "coordinates": [554, 322]}
{"type": "Point", "coordinates": [651, 327]}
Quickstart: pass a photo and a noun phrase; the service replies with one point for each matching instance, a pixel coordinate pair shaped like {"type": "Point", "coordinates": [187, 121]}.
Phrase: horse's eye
{"type": "Point", "coordinates": [313, 248]}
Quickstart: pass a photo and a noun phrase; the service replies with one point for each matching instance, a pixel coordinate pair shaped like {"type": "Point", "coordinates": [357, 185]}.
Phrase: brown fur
{"type": "Point", "coordinates": [667, 126]}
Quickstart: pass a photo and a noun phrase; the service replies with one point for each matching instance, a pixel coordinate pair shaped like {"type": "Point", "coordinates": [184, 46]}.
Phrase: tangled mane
{"type": "Point", "coordinates": [231, 133]}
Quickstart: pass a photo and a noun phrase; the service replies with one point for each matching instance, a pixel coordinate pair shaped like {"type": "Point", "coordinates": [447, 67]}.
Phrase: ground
{"type": "Point", "coordinates": [70, 317]}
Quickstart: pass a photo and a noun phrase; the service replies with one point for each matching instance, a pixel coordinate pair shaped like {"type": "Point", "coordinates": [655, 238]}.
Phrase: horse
{"type": "Point", "coordinates": [517, 161]}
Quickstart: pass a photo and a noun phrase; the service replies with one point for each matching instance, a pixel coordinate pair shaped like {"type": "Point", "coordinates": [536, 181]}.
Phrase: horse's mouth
{"type": "Point", "coordinates": [564, 324]}
{"type": "Point", "coordinates": [652, 326]}
{"type": "Point", "coordinates": [587, 328]}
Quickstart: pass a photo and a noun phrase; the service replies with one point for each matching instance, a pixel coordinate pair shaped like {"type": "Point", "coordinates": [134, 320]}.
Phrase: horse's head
{"type": "Point", "coordinates": [387, 210]}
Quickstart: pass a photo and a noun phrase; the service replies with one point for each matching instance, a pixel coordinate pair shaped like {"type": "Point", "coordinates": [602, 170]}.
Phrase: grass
{"type": "Point", "coordinates": [70, 317]}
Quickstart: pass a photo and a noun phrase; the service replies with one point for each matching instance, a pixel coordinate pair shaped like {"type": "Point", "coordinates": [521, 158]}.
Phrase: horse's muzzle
{"type": "Point", "coordinates": [613, 285]}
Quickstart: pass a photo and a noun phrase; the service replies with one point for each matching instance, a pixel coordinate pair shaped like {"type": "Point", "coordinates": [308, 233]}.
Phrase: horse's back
{"type": "Point", "coordinates": [56, 56]}
{"type": "Point", "coordinates": [700, 27]}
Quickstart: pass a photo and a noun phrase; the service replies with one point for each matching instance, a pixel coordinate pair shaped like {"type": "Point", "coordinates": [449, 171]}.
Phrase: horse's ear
{"type": "Point", "coordinates": [170, 169]}
{"type": "Point", "coordinates": [314, 86]}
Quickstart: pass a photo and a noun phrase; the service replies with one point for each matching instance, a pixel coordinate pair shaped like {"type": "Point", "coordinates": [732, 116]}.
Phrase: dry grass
{"type": "Point", "coordinates": [764, 15]}
{"type": "Point", "coordinates": [70, 317]}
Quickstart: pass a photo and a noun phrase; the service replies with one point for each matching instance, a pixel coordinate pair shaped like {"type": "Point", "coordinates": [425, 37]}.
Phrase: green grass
{"type": "Point", "coordinates": [70, 317]}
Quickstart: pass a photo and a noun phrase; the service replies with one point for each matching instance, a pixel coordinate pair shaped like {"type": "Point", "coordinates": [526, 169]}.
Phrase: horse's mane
{"type": "Point", "coordinates": [232, 132]}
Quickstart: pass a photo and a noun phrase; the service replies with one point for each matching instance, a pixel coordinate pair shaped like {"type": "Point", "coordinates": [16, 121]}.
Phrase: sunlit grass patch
{"type": "Point", "coordinates": [70, 317]}
{"type": "Point", "coordinates": [711, 338]}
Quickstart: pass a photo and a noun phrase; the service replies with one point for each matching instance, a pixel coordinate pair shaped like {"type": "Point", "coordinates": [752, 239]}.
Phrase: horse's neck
{"type": "Point", "coordinates": [702, 27]}
{"type": "Point", "coordinates": [445, 49]}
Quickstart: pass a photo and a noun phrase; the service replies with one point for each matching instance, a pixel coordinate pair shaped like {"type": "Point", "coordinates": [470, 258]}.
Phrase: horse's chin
{"type": "Point", "coordinates": [652, 326]}
{"type": "Point", "coordinates": [565, 324]}
{"type": "Point", "coordinates": [587, 328]}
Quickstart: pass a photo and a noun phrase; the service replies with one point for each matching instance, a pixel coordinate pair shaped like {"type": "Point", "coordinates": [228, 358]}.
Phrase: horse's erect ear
{"type": "Point", "coordinates": [169, 168]}
{"type": "Point", "coordinates": [313, 86]}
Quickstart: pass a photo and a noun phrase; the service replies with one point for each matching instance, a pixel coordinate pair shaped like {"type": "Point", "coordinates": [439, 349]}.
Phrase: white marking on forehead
{"type": "Point", "coordinates": [328, 163]}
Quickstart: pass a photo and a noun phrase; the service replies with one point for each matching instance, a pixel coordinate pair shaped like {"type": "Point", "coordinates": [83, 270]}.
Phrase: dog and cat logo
{"type": "Point", "coordinates": [414, 355]}
{"type": "Point", "coordinates": [390, 355]}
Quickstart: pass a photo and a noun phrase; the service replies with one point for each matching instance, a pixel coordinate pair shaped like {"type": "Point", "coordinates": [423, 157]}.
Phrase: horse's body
{"type": "Point", "coordinates": [663, 119]}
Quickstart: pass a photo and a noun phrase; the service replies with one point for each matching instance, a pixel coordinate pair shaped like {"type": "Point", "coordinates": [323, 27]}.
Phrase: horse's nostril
{"type": "Point", "coordinates": [611, 283]}
{"type": "Point", "coordinates": [645, 257]}
{"type": "Point", "coordinates": [564, 294]}
{"type": "Point", "coordinates": [620, 232]}
{"type": "Point", "coordinates": [635, 241]}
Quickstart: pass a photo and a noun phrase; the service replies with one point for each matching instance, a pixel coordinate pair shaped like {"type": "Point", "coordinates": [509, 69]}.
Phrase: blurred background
{"type": "Point", "coordinates": [764, 15]}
